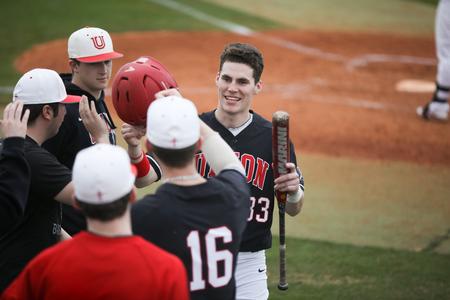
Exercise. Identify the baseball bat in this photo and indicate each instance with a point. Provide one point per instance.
(281, 155)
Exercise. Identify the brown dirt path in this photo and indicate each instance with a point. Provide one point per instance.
(334, 110)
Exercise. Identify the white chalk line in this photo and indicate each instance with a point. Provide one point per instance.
(290, 90)
(350, 64)
(199, 15)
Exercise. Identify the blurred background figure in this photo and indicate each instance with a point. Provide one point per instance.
(438, 107)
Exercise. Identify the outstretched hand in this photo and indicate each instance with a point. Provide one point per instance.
(13, 124)
(94, 124)
(132, 134)
(167, 93)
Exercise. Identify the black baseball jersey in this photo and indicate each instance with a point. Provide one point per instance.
(14, 182)
(73, 137)
(253, 146)
(202, 225)
(40, 227)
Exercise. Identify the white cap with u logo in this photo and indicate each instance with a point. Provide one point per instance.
(91, 44)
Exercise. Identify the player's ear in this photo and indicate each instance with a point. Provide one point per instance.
(73, 64)
(258, 87)
(47, 112)
(217, 78)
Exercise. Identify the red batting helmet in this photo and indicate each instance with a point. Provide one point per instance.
(135, 85)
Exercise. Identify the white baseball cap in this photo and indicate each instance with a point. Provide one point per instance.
(172, 123)
(42, 86)
(102, 174)
(91, 44)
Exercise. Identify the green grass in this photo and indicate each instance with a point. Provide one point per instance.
(393, 16)
(44, 20)
(429, 2)
(362, 202)
(323, 270)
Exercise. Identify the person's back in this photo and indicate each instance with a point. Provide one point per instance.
(96, 267)
(203, 225)
(201, 221)
(107, 261)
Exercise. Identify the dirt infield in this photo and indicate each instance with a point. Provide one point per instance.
(341, 103)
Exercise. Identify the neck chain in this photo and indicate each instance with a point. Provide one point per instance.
(243, 124)
(182, 178)
(248, 121)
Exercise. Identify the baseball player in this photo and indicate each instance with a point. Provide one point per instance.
(250, 136)
(199, 220)
(107, 261)
(43, 94)
(14, 170)
(91, 53)
(438, 107)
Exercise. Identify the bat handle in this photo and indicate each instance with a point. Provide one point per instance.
(282, 284)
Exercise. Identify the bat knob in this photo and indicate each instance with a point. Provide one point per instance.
(283, 286)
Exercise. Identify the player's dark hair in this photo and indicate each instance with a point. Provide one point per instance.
(105, 212)
(76, 61)
(244, 54)
(175, 158)
(36, 109)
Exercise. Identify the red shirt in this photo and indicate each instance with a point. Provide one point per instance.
(96, 267)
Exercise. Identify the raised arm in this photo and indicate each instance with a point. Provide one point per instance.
(94, 124)
(146, 173)
(218, 153)
(14, 169)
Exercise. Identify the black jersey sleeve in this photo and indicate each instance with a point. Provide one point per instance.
(14, 182)
(48, 176)
(154, 165)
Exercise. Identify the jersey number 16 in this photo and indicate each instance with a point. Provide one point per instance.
(213, 257)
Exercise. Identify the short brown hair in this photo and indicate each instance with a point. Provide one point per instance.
(244, 54)
(105, 212)
(36, 109)
(175, 158)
